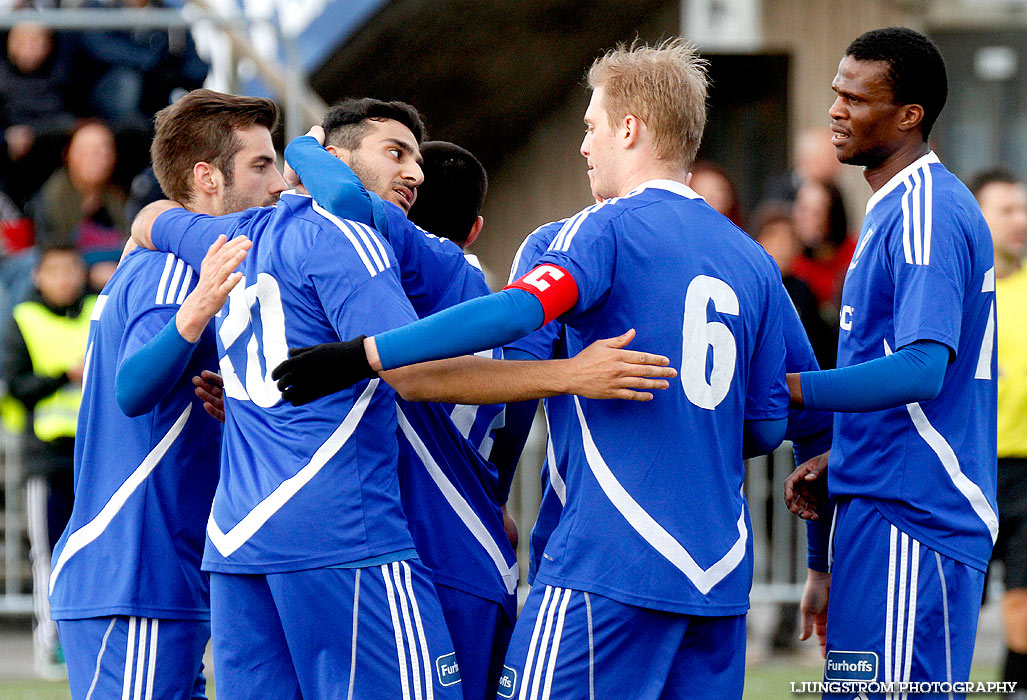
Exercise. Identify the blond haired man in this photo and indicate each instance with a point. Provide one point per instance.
(643, 587)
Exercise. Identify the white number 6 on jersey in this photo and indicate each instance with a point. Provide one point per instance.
(699, 334)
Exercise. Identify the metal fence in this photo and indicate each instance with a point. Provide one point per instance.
(16, 574)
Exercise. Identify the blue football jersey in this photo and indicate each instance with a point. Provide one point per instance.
(314, 485)
(924, 270)
(436, 274)
(446, 483)
(543, 344)
(143, 485)
(655, 514)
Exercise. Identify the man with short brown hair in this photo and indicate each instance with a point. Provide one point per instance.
(131, 602)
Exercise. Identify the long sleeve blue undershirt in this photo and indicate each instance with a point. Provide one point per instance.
(914, 372)
(479, 324)
(148, 374)
(760, 437)
(334, 185)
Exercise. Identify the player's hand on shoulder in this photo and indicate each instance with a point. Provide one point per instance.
(319, 370)
(292, 178)
(806, 487)
(605, 370)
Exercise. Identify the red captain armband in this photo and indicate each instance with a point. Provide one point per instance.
(552, 285)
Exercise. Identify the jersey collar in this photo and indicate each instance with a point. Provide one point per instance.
(920, 162)
(670, 186)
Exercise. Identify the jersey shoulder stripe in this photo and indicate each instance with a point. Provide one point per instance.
(174, 283)
(916, 202)
(540, 232)
(363, 239)
(917, 216)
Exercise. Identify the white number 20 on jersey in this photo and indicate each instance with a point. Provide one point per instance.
(700, 334)
(268, 349)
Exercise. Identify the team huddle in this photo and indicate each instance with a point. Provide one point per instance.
(343, 534)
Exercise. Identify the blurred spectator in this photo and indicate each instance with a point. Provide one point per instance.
(16, 258)
(774, 229)
(815, 161)
(137, 71)
(823, 230)
(35, 118)
(42, 366)
(79, 205)
(1003, 199)
(716, 187)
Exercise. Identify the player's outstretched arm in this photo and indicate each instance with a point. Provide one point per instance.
(603, 370)
(142, 225)
(913, 373)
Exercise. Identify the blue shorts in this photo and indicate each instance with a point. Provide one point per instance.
(572, 645)
(480, 630)
(135, 657)
(375, 632)
(899, 611)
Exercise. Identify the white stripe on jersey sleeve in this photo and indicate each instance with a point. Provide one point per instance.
(376, 239)
(162, 289)
(352, 237)
(176, 278)
(905, 223)
(520, 249)
(928, 214)
(360, 231)
(184, 291)
(918, 239)
(557, 243)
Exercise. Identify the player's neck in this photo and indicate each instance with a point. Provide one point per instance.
(911, 151)
(203, 203)
(642, 175)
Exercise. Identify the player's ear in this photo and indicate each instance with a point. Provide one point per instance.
(339, 153)
(911, 117)
(631, 130)
(206, 178)
(475, 231)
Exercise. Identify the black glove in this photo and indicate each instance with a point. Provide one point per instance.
(319, 370)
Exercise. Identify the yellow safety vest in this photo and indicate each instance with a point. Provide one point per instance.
(1011, 300)
(55, 345)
